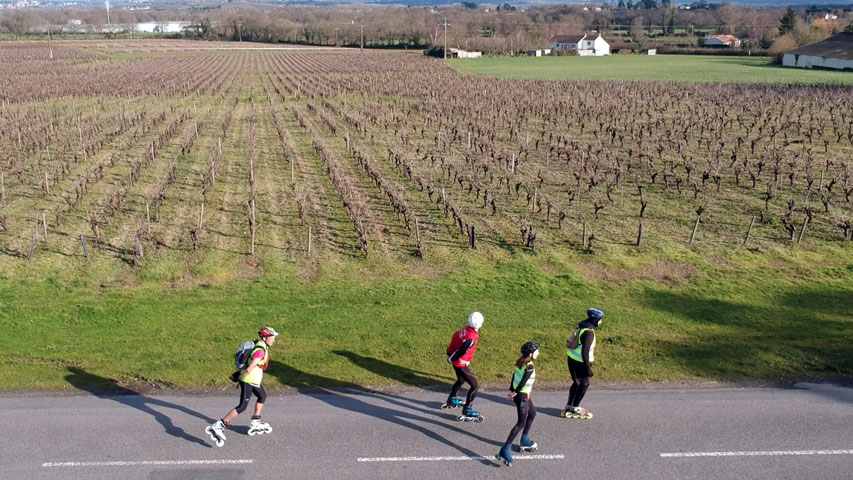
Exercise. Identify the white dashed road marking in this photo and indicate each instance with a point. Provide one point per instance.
(455, 459)
(758, 454)
(145, 463)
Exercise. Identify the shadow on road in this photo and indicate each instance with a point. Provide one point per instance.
(408, 376)
(105, 388)
(397, 410)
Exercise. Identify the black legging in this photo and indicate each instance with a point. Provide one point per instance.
(463, 375)
(246, 392)
(526, 414)
(580, 382)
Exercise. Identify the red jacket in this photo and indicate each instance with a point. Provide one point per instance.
(462, 346)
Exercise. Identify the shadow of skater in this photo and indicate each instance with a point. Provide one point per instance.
(407, 376)
(104, 388)
(345, 397)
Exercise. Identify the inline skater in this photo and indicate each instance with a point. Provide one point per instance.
(519, 392)
(250, 380)
(459, 354)
(580, 361)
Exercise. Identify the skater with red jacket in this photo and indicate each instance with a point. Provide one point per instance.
(459, 354)
(581, 355)
(250, 379)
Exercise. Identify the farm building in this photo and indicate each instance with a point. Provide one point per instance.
(835, 52)
(729, 41)
(586, 45)
(459, 53)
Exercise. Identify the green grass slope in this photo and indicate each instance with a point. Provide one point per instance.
(748, 315)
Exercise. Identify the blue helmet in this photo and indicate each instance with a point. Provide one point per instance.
(595, 313)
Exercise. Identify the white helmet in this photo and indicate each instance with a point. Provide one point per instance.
(475, 320)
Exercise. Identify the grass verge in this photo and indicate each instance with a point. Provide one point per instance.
(374, 323)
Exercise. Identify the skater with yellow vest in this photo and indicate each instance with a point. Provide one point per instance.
(250, 378)
(581, 354)
(519, 392)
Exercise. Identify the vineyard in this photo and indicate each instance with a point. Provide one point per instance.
(307, 152)
(161, 165)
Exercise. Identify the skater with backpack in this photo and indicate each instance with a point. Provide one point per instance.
(519, 392)
(581, 355)
(252, 360)
(459, 354)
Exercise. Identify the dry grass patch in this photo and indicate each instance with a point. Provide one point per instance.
(665, 272)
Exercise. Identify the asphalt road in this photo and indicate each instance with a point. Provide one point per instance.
(755, 433)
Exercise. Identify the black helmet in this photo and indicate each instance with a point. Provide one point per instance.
(528, 348)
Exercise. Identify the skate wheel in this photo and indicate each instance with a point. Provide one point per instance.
(460, 418)
(479, 419)
(252, 432)
(444, 406)
(269, 430)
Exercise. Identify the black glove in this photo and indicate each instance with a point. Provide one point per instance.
(235, 377)
(591, 374)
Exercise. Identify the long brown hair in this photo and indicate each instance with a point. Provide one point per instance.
(521, 360)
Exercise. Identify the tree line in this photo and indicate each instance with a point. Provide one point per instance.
(506, 29)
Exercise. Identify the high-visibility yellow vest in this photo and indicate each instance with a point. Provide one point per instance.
(577, 352)
(257, 374)
(519, 374)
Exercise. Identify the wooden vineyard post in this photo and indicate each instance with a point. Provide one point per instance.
(803, 230)
(535, 195)
(138, 247)
(44, 224)
(148, 218)
(512, 167)
(201, 218)
(292, 181)
(2, 188)
(46, 184)
(347, 139)
(583, 234)
(695, 227)
(469, 140)
(309, 241)
(85, 250)
(640, 235)
(33, 245)
(749, 230)
(473, 238)
(418, 237)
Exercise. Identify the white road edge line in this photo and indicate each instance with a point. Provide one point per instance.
(146, 463)
(455, 459)
(758, 454)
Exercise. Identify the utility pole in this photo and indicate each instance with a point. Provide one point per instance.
(445, 36)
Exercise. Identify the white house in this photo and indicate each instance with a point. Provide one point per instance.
(459, 53)
(586, 45)
(835, 53)
(730, 41)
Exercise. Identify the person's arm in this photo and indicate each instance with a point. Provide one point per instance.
(586, 340)
(256, 359)
(466, 345)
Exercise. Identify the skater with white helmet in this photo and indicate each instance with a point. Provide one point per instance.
(459, 354)
(581, 355)
(519, 392)
(250, 379)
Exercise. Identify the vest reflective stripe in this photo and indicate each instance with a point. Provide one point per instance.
(519, 374)
(577, 353)
(257, 374)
